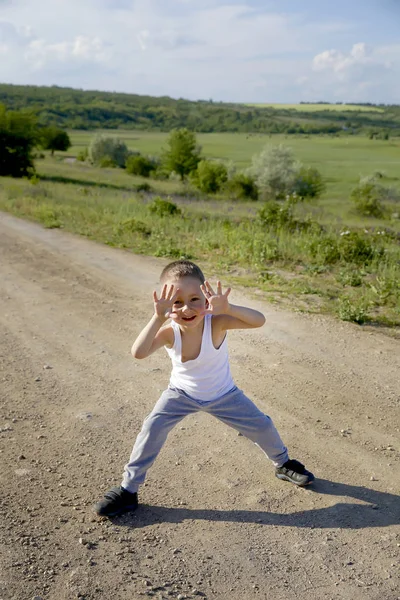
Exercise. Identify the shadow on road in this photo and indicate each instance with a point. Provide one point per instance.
(377, 509)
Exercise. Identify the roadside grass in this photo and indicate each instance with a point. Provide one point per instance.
(356, 275)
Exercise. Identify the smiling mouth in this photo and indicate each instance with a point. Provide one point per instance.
(188, 318)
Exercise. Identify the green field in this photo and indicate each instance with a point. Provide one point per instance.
(341, 160)
(318, 107)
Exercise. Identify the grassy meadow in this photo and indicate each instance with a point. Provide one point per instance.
(331, 261)
(341, 160)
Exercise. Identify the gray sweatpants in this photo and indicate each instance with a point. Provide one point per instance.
(234, 409)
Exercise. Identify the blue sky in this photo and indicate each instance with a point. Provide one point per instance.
(230, 50)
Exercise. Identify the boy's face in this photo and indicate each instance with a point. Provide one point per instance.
(190, 303)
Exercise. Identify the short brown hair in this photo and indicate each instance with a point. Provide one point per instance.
(181, 268)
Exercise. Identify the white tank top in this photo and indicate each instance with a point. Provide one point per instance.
(208, 376)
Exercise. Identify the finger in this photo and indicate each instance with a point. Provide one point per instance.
(163, 292)
(209, 289)
(170, 292)
(219, 288)
(204, 290)
(155, 296)
(173, 316)
(228, 291)
(174, 297)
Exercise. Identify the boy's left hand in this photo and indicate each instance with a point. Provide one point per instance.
(218, 303)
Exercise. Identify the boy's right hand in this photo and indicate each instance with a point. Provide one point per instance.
(163, 305)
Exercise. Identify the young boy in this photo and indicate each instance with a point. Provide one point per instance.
(191, 321)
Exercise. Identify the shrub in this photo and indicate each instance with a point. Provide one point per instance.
(242, 186)
(274, 214)
(139, 165)
(274, 171)
(210, 176)
(350, 276)
(144, 187)
(309, 183)
(82, 155)
(367, 197)
(349, 247)
(132, 226)
(102, 147)
(357, 248)
(324, 249)
(351, 310)
(164, 208)
(106, 162)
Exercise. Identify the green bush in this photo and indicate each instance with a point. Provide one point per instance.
(82, 155)
(309, 183)
(144, 187)
(106, 162)
(350, 276)
(358, 248)
(348, 247)
(139, 165)
(210, 176)
(352, 310)
(132, 226)
(368, 197)
(103, 147)
(242, 186)
(274, 214)
(164, 208)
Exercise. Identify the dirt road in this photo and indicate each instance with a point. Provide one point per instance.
(214, 521)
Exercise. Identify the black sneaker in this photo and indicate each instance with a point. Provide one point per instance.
(115, 502)
(294, 472)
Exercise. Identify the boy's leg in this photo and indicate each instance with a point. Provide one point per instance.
(238, 411)
(171, 408)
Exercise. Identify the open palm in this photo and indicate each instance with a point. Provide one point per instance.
(218, 303)
(163, 305)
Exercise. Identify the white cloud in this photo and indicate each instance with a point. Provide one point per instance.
(360, 59)
(82, 49)
(366, 73)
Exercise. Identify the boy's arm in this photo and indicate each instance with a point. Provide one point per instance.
(241, 317)
(152, 337)
(227, 315)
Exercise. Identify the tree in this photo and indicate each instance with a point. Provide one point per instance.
(18, 136)
(183, 154)
(54, 138)
(275, 171)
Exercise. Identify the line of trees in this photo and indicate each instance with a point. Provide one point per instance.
(78, 109)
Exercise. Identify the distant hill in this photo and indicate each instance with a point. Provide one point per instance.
(81, 109)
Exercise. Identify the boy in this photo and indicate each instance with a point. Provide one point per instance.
(195, 339)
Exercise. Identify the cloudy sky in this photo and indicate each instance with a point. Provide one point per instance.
(230, 50)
